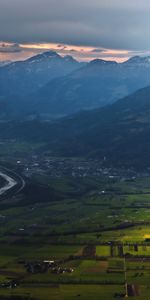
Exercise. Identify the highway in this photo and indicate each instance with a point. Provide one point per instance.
(13, 181)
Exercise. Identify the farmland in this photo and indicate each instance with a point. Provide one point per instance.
(95, 230)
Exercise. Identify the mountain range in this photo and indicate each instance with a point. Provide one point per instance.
(95, 85)
(24, 77)
(92, 121)
(49, 86)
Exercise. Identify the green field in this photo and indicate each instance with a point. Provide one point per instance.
(84, 230)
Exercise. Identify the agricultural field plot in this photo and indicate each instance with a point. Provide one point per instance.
(136, 250)
(103, 251)
(12, 252)
(67, 292)
(120, 250)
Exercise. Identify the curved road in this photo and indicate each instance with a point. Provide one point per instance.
(13, 179)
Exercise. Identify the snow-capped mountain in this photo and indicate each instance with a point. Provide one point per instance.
(24, 77)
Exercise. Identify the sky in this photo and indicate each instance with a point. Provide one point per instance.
(85, 29)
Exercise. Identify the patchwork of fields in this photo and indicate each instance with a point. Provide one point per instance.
(103, 238)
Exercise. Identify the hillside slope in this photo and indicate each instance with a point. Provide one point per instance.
(120, 133)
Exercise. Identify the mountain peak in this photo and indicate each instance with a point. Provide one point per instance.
(102, 62)
(44, 55)
(138, 60)
(50, 54)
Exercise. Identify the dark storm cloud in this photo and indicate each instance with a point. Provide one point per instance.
(104, 23)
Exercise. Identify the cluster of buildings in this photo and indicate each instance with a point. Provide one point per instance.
(44, 266)
(60, 167)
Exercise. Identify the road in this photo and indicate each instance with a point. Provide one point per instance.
(13, 180)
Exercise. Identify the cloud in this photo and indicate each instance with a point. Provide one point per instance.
(73, 50)
(9, 48)
(99, 23)
(97, 50)
(14, 52)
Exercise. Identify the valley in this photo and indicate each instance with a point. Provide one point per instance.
(91, 228)
(74, 150)
(74, 180)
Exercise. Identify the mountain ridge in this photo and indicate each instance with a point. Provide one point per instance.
(50, 86)
(119, 132)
